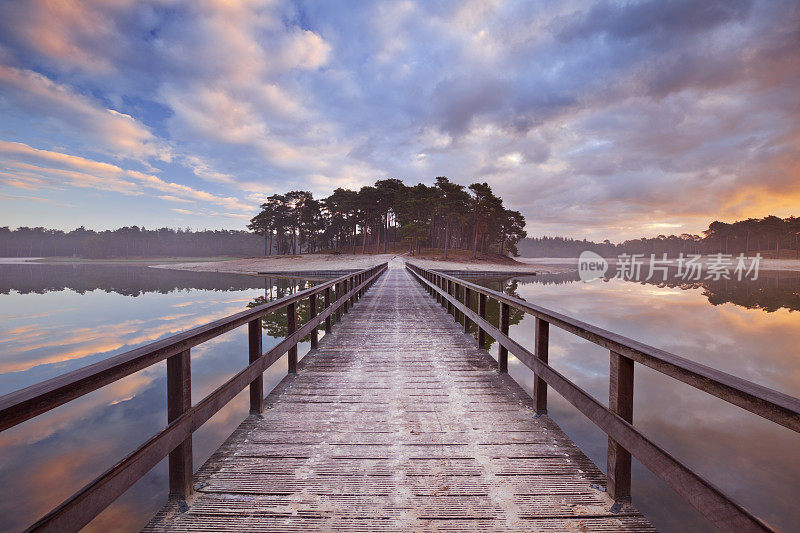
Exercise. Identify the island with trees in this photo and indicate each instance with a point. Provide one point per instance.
(376, 218)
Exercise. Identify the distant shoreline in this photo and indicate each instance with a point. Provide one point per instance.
(785, 265)
(312, 262)
(125, 261)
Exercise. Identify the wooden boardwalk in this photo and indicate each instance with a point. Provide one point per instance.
(398, 422)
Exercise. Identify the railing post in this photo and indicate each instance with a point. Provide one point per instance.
(291, 327)
(541, 346)
(327, 305)
(468, 305)
(179, 400)
(457, 294)
(620, 401)
(502, 358)
(338, 297)
(482, 314)
(449, 293)
(257, 385)
(312, 314)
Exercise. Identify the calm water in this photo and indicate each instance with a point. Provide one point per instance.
(750, 329)
(56, 318)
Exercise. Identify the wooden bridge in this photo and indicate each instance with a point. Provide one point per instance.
(398, 420)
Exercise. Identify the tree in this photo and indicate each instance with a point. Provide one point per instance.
(339, 207)
(452, 205)
(484, 206)
(367, 208)
(413, 233)
(775, 227)
(415, 209)
(512, 230)
(261, 224)
(274, 218)
(389, 193)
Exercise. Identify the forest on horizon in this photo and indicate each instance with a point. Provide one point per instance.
(771, 236)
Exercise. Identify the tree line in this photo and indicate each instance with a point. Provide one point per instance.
(771, 236)
(128, 280)
(444, 216)
(129, 241)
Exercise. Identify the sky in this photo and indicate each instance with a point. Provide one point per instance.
(594, 119)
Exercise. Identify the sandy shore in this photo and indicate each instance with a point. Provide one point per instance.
(326, 262)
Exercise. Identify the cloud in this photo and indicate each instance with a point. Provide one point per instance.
(77, 34)
(652, 19)
(34, 199)
(117, 133)
(174, 199)
(589, 117)
(100, 175)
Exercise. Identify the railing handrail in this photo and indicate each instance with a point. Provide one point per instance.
(184, 418)
(768, 403)
(29, 402)
(616, 420)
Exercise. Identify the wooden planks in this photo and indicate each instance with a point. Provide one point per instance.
(398, 422)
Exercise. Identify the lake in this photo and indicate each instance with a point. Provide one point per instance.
(748, 328)
(56, 318)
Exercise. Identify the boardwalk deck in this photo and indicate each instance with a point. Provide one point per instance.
(398, 422)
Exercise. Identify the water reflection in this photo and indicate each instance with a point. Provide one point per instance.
(506, 286)
(745, 328)
(127, 280)
(275, 323)
(56, 318)
(772, 290)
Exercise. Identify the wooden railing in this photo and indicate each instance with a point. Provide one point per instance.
(616, 420)
(175, 440)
